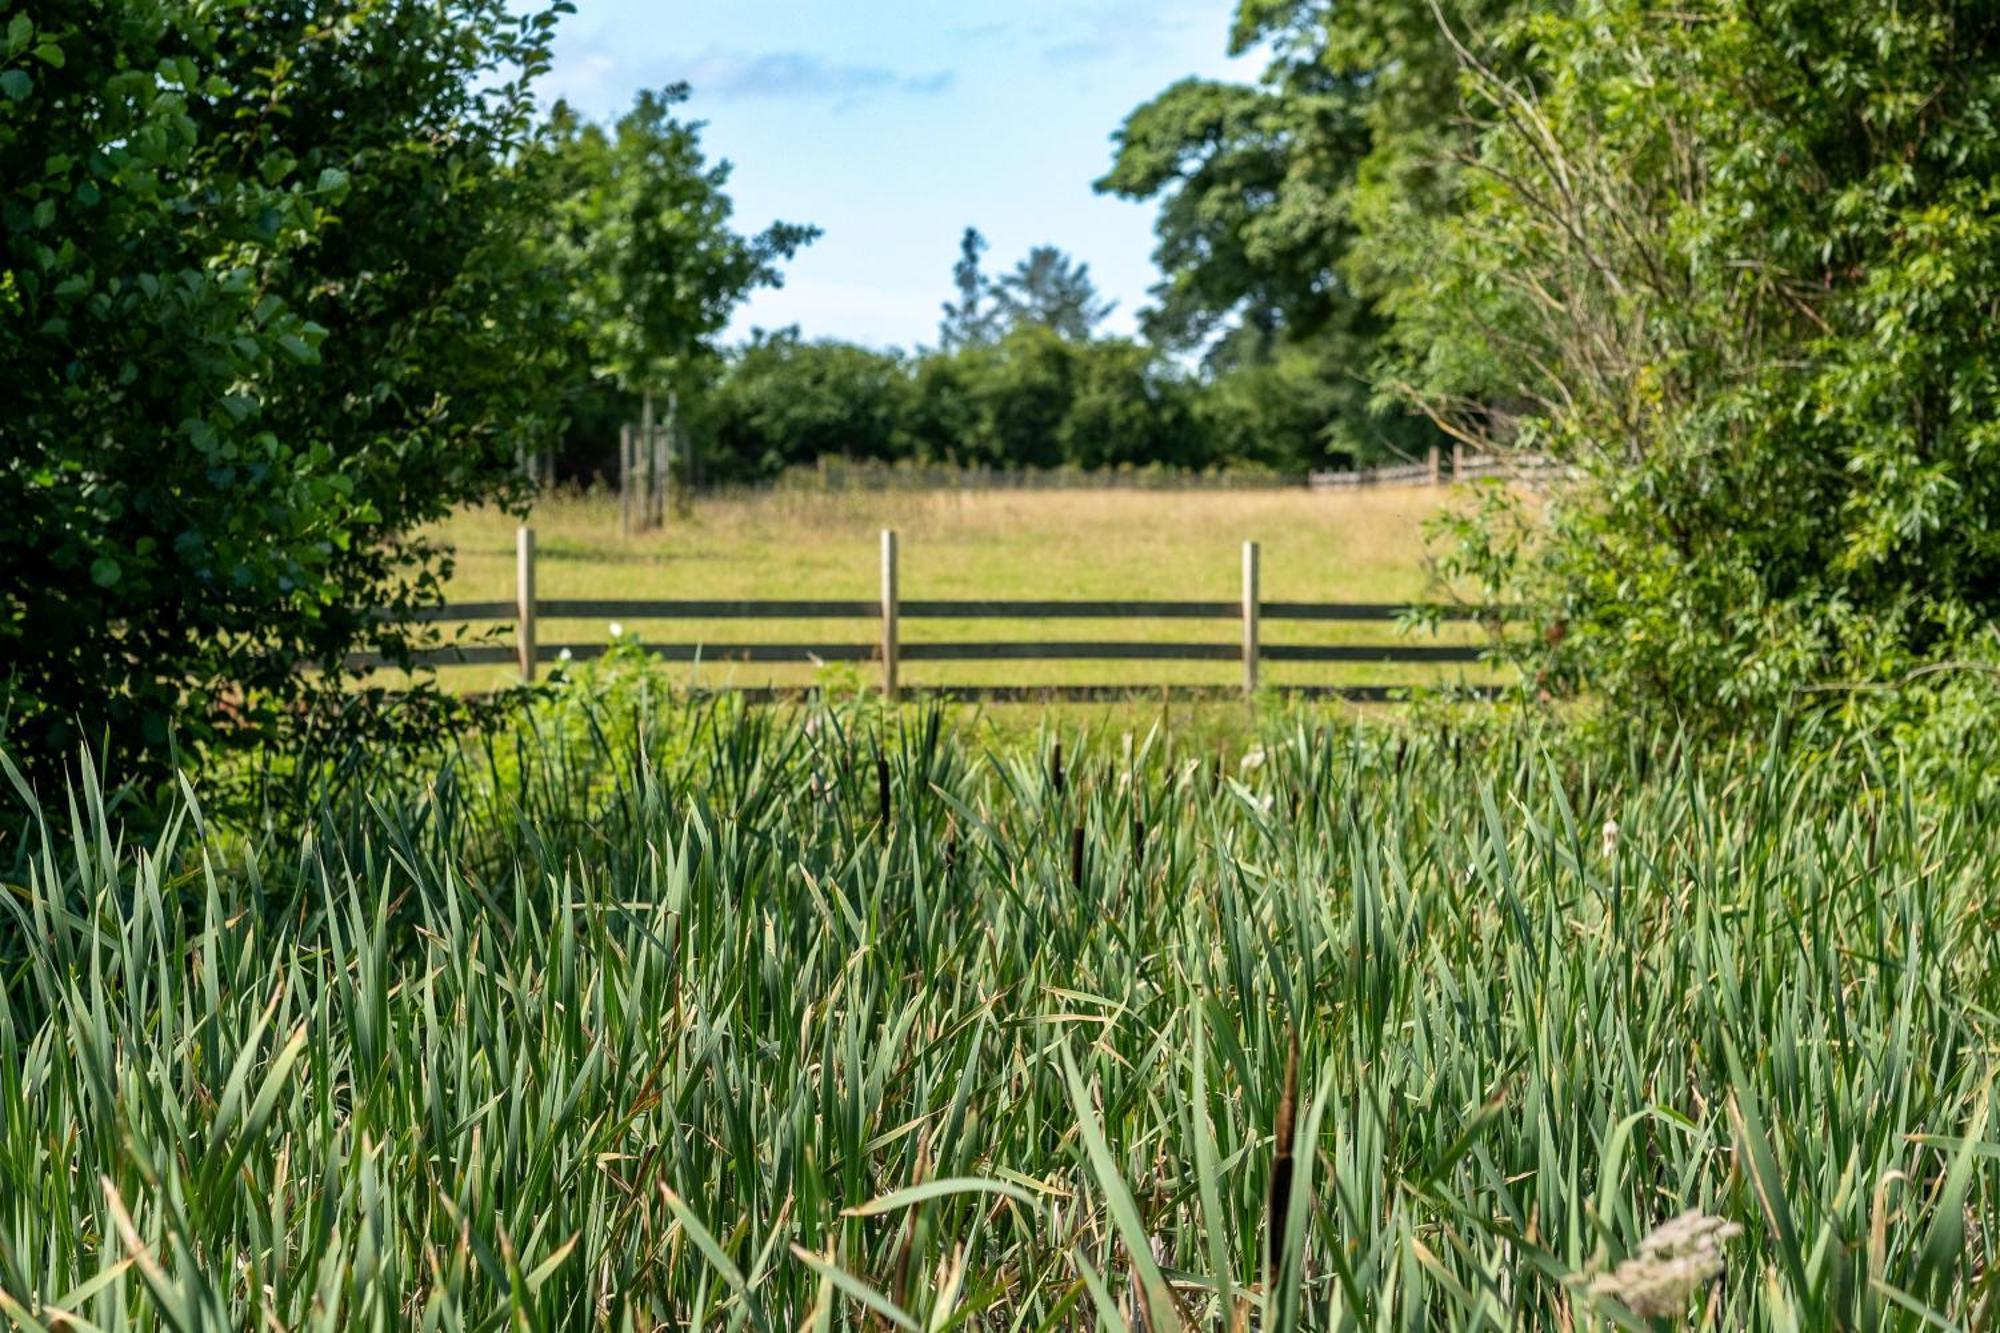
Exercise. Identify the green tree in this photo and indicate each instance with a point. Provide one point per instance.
(1735, 266)
(1035, 398)
(1251, 227)
(1292, 410)
(785, 402)
(1267, 196)
(264, 315)
(1051, 290)
(974, 318)
(640, 229)
(1129, 408)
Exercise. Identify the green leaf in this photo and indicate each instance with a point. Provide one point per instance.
(16, 83)
(19, 29)
(936, 1189)
(1118, 1198)
(857, 1289)
(104, 571)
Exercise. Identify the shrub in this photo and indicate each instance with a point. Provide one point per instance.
(263, 316)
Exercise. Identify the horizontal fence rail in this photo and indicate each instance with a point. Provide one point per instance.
(1437, 467)
(890, 649)
(1527, 469)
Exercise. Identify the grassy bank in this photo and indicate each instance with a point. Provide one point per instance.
(1354, 546)
(662, 1019)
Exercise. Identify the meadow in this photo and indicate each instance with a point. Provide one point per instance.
(665, 1013)
(1365, 545)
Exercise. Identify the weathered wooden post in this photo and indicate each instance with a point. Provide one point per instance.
(625, 478)
(673, 475)
(1437, 464)
(524, 601)
(652, 463)
(1249, 619)
(1457, 460)
(890, 607)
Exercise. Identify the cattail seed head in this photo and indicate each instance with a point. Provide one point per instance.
(1675, 1260)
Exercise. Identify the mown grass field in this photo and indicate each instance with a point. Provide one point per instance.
(1355, 546)
(674, 1017)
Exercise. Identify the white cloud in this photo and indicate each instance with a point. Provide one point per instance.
(801, 75)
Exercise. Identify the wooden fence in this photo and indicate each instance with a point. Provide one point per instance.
(1434, 471)
(1249, 612)
(833, 474)
(841, 475)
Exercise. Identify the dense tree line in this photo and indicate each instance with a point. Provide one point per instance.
(1020, 379)
(1030, 398)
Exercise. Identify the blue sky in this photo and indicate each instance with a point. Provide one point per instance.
(894, 124)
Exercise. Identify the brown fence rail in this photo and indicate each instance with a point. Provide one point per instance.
(890, 651)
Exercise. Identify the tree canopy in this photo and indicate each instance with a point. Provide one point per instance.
(1736, 266)
(640, 227)
(1050, 290)
(264, 316)
(278, 289)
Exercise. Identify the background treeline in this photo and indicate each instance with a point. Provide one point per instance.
(1030, 398)
(1020, 377)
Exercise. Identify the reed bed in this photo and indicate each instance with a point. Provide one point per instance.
(724, 1018)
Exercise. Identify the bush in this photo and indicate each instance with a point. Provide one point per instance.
(1735, 265)
(1032, 398)
(263, 316)
(786, 402)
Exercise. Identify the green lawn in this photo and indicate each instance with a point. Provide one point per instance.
(1356, 546)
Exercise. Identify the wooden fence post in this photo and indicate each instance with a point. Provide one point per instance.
(890, 609)
(1436, 461)
(524, 601)
(649, 443)
(1249, 619)
(1457, 460)
(625, 478)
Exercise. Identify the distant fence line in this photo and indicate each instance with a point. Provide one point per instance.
(1437, 470)
(842, 474)
(869, 475)
(1248, 611)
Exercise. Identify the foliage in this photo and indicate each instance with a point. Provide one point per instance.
(1735, 265)
(1263, 192)
(682, 1026)
(784, 401)
(1301, 407)
(638, 223)
(262, 317)
(974, 318)
(1050, 290)
(1250, 226)
(640, 230)
(1031, 398)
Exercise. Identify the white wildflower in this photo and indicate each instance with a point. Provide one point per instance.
(617, 630)
(565, 655)
(1610, 838)
(1675, 1260)
(1251, 761)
